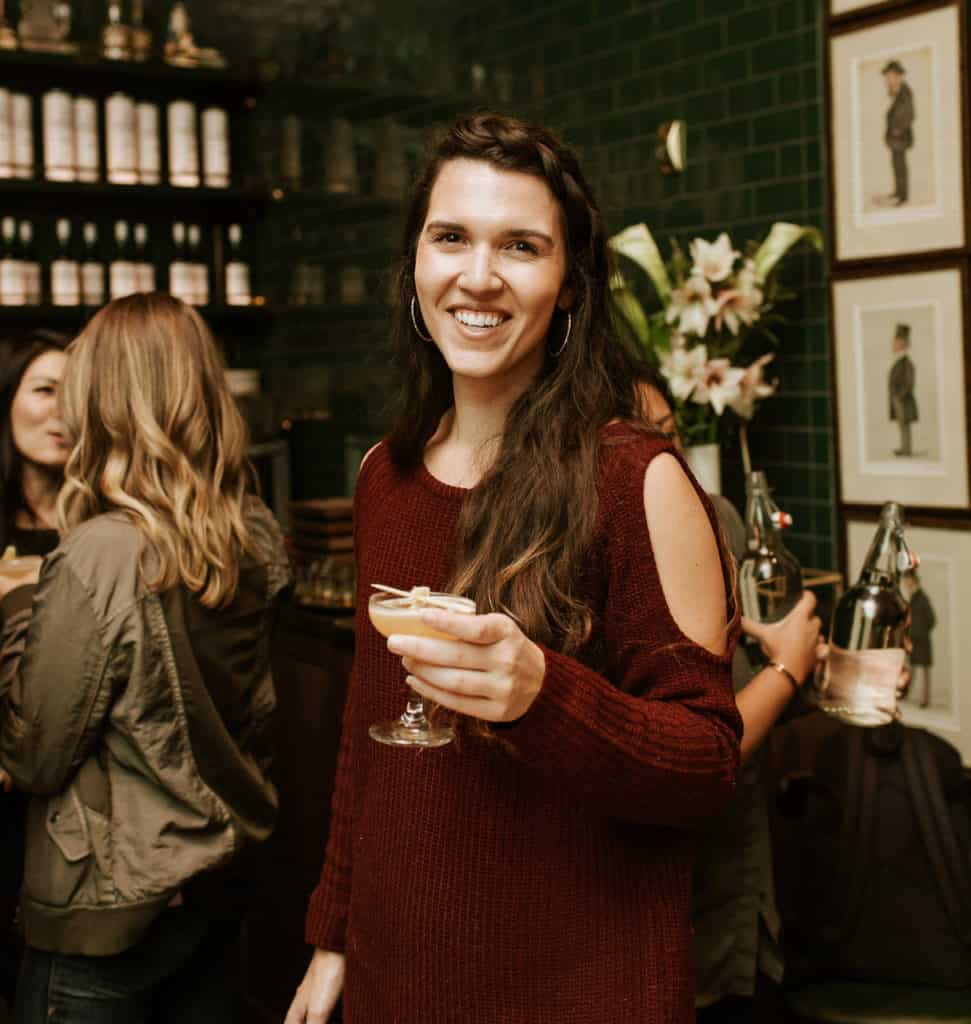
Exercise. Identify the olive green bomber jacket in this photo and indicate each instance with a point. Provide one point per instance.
(140, 724)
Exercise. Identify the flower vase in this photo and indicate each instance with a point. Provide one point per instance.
(705, 462)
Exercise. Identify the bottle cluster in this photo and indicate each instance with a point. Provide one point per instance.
(90, 264)
(73, 128)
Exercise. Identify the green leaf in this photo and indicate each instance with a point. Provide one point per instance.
(633, 312)
(781, 238)
(637, 244)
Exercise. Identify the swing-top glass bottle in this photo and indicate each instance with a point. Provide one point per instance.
(858, 681)
(769, 576)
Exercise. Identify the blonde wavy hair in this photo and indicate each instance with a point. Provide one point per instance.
(158, 436)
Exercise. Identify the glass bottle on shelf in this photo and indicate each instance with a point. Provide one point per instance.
(6, 133)
(115, 36)
(11, 268)
(57, 110)
(87, 149)
(120, 144)
(8, 38)
(65, 272)
(179, 274)
(92, 269)
(291, 158)
(340, 161)
(858, 681)
(22, 119)
(238, 291)
(183, 144)
(144, 267)
(199, 268)
(149, 151)
(215, 148)
(391, 163)
(141, 37)
(769, 576)
(121, 269)
(29, 264)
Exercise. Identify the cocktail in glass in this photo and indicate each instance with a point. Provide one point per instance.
(400, 612)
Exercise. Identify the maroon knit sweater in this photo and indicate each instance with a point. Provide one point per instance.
(548, 882)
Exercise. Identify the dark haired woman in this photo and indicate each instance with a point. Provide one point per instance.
(33, 448)
(538, 869)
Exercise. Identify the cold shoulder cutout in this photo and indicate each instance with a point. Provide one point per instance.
(686, 553)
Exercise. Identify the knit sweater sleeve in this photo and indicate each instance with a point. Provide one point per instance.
(325, 925)
(326, 920)
(655, 737)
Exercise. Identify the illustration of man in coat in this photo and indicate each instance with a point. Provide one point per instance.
(899, 136)
(900, 387)
(922, 621)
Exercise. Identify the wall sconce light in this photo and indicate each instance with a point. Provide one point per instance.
(671, 153)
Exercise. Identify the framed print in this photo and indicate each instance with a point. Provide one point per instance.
(898, 146)
(899, 354)
(843, 7)
(939, 592)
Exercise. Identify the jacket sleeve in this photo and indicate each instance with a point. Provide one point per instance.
(54, 686)
(655, 737)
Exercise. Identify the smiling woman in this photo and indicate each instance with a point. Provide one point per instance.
(591, 691)
(33, 447)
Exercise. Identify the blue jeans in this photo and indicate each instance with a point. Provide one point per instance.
(180, 972)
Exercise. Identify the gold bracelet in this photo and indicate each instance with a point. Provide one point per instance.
(779, 667)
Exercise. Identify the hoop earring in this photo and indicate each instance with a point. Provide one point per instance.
(566, 337)
(414, 322)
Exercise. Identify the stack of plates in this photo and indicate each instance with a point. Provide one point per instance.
(321, 528)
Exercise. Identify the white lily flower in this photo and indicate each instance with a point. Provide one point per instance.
(719, 385)
(734, 308)
(685, 370)
(713, 260)
(692, 306)
(753, 386)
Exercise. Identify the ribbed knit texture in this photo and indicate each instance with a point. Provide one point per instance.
(547, 884)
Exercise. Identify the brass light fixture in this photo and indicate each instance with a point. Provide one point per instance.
(671, 151)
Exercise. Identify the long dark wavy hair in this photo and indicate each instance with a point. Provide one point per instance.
(525, 528)
(16, 356)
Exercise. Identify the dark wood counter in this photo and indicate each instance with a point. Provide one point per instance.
(311, 666)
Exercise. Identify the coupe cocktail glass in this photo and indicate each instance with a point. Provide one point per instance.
(401, 613)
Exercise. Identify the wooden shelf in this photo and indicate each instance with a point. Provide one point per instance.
(99, 76)
(58, 197)
(76, 316)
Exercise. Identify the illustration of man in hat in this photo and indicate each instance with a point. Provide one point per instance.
(901, 380)
(922, 622)
(899, 135)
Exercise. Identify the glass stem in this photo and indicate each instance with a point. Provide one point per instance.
(414, 716)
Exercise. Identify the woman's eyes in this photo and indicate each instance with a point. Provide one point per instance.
(517, 245)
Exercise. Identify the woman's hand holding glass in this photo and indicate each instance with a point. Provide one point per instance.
(490, 670)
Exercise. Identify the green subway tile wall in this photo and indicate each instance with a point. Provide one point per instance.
(746, 76)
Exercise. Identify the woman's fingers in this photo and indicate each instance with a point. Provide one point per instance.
(473, 629)
(463, 703)
(430, 651)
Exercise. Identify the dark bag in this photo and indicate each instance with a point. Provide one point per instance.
(884, 860)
